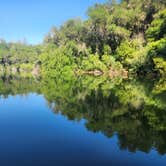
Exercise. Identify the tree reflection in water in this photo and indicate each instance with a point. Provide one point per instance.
(133, 110)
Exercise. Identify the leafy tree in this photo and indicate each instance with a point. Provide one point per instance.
(157, 29)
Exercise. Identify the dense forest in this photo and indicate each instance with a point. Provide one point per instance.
(117, 39)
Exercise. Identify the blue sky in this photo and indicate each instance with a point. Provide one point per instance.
(32, 19)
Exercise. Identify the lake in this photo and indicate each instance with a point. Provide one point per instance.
(83, 121)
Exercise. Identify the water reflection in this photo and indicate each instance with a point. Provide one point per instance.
(133, 109)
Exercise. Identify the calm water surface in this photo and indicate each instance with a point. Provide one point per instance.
(35, 130)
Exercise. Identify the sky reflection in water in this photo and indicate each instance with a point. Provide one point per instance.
(31, 134)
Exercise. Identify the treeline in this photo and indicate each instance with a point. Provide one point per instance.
(117, 38)
(18, 57)
(130, 35)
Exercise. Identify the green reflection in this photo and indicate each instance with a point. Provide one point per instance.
(134, 109)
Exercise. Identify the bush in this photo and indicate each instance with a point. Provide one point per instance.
(132, 54)
(160, 65)
(157, 29)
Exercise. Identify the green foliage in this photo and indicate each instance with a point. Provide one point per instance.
(18, 58)
(58, 61)
(53, 36)
(132, 54)
(158, 48)
(119, 29)
(160, 87)
(160, 65)
(130, 34)
(18, 53)
(122, 31)
(93, 62)
(156, 35)
(157, 29)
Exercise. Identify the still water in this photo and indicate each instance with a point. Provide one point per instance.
(45, 124)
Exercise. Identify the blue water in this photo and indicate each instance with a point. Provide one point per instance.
(32, 135)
